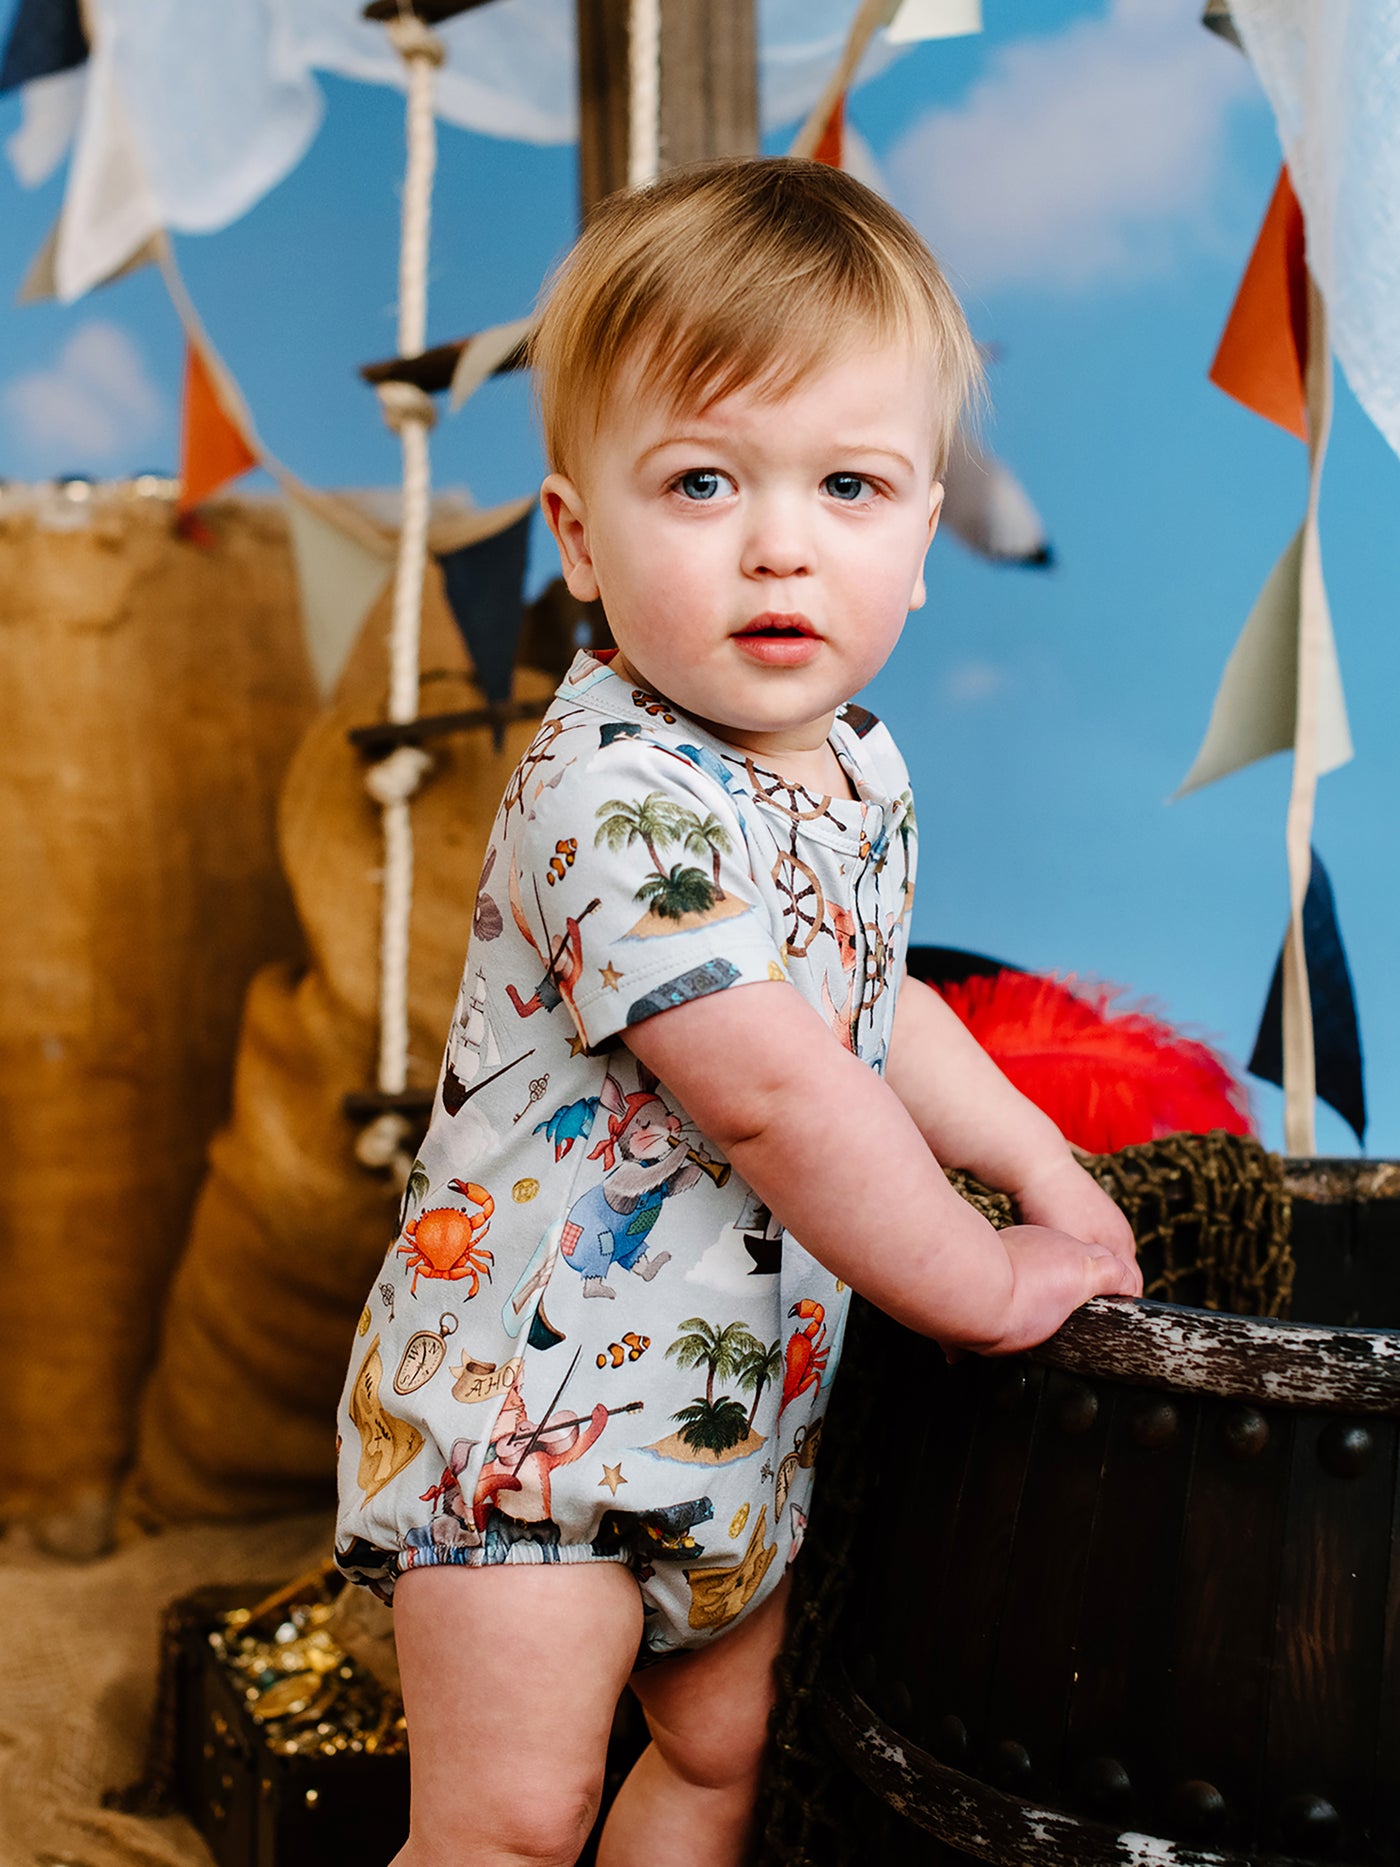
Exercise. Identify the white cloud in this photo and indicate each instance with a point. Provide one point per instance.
(972, 681)
(1081, 156)
(95, 408)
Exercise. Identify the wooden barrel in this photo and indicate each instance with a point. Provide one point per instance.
(1134, 1598)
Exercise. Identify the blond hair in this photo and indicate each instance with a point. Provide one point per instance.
(726, 275)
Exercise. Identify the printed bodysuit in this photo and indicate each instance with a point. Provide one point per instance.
(590, 1341)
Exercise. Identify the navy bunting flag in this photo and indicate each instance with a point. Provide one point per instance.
(45, 36)
(484, 583)
(1336, 1031)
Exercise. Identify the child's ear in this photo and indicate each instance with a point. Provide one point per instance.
(935, 507)
(562, 505)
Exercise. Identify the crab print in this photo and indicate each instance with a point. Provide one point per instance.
(446, 1241)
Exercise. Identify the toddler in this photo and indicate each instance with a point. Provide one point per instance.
(690, 1100)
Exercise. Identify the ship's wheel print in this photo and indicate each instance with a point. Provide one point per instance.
(804, 904)
(807, 811)
(537, 753)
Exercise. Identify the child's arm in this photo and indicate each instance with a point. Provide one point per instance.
(830, 1148)
(972, 1117)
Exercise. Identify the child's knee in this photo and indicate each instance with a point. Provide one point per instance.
(542, 1825)
(719, 1754)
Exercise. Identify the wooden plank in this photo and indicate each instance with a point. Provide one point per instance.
(709, 81)
(1323, 1709)
(1216, 1690)
(1113, 1754)
(709, 88)
(1034, 1669)
(1240, 1357)
(961, 1661)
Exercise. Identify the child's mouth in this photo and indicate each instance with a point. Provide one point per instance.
(785, 641)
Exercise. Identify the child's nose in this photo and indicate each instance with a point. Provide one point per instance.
(778, 544)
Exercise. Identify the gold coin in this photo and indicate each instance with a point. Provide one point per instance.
(739, 1519)
(524, 1190)
(364, 1321)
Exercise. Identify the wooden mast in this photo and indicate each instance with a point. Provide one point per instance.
(709, 87)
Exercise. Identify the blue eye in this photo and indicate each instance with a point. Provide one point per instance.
(845, 486)
(702, 483)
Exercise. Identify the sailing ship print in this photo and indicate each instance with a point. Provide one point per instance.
(471, 1046)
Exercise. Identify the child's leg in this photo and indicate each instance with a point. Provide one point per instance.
(691, 1796)
(510, 1678)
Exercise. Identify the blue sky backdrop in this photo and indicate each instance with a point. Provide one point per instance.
(1093, 173)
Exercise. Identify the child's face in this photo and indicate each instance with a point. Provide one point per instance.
(756, 562)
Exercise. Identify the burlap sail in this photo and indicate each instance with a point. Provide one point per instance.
(238, 1418)
(151, 694)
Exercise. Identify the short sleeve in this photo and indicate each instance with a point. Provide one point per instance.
(633, 876)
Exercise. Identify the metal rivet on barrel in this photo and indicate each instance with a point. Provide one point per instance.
(1011, 1764)
(1345, 1449)
(1309, 1823)
(1103, 1782)
(1245, 1432)
(1078, 1409)
(949, 1739)
(1154, 1424)
(1198, 1807)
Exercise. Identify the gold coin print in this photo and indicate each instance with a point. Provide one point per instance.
(839, 1286)
(775, 971)
(364, 1321)
(524, 1191)
(739, 1519)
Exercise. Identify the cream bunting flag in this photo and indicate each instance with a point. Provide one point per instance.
(933, 19)
(1256, 708)
(484, 354)
(340, 577)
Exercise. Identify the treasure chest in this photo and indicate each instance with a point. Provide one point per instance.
(279, 1745)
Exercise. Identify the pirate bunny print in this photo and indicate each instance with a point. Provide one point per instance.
(589, 1339)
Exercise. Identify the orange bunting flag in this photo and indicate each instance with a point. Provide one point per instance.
(213, 449)
(830, 149)
(1263, 352)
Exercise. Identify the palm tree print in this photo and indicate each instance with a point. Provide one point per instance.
(759, 1367)
(707, 834)
(720, 1351)
(656, 820)
(678, 893)
(712, 1426)
(708, 1424)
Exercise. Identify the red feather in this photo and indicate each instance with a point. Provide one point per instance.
(1105, 1078)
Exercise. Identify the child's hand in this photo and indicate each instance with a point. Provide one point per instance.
(1066, 1198)
(1053, 1274)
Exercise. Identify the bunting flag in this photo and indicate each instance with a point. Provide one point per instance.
(1263, 351)
(110, 209)
(1336, 1031)
(45, 36)
(343, 562)
(1216, 18)
(1282, 687)
(484, 578)
(49, 111)
(213, 448)
(831, 146)
(1256, 709)
(484, 354)
(933, 19)
(985, 505)
(40, 282)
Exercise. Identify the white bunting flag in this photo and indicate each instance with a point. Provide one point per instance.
(340, 575)
(933, 19)
(483, 355)
(1256, 709)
